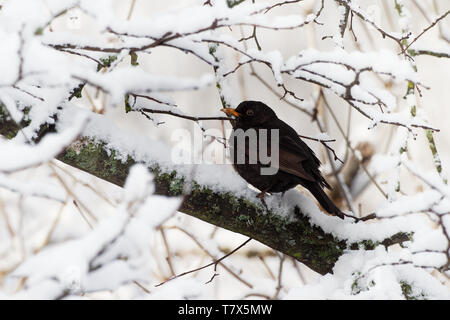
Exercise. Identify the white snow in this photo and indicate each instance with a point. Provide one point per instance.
(17, 156)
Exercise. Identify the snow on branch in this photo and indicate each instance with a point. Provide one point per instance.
(220, 197)
(353, 7)
(20, 156)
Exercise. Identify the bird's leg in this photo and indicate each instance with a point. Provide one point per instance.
(261, 197)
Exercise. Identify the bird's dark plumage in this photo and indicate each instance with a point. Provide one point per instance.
(297, 162)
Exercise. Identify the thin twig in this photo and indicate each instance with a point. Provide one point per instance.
(352, 149)
(183, 116)
(425, 30)
(166, 245)
(280, 272)
(214, 263)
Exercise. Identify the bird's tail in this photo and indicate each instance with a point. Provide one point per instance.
(323, 199)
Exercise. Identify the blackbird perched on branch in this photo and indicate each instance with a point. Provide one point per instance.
(296, 163)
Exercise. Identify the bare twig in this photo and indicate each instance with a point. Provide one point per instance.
(180, 115)
(166, 245)
(360, 14)
(280, 273)
(214, 263)
(425, 30)
(371, 177)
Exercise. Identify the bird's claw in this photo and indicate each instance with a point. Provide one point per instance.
(261, 197)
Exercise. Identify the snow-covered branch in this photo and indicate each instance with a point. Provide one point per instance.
(218, 197)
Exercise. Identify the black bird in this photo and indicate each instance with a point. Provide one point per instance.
(297, 162)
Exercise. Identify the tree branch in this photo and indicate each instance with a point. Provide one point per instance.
(294, 237)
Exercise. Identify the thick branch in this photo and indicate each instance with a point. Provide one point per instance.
(294, 237)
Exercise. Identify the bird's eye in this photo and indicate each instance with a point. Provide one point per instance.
(249, 112)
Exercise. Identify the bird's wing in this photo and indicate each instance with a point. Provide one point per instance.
(291, 156)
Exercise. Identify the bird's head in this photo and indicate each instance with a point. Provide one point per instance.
(250, 113)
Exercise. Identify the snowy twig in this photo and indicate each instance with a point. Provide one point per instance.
(360, 14)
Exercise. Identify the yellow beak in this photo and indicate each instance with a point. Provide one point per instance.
(230, 112)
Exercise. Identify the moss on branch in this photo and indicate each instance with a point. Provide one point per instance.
(298, 238)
